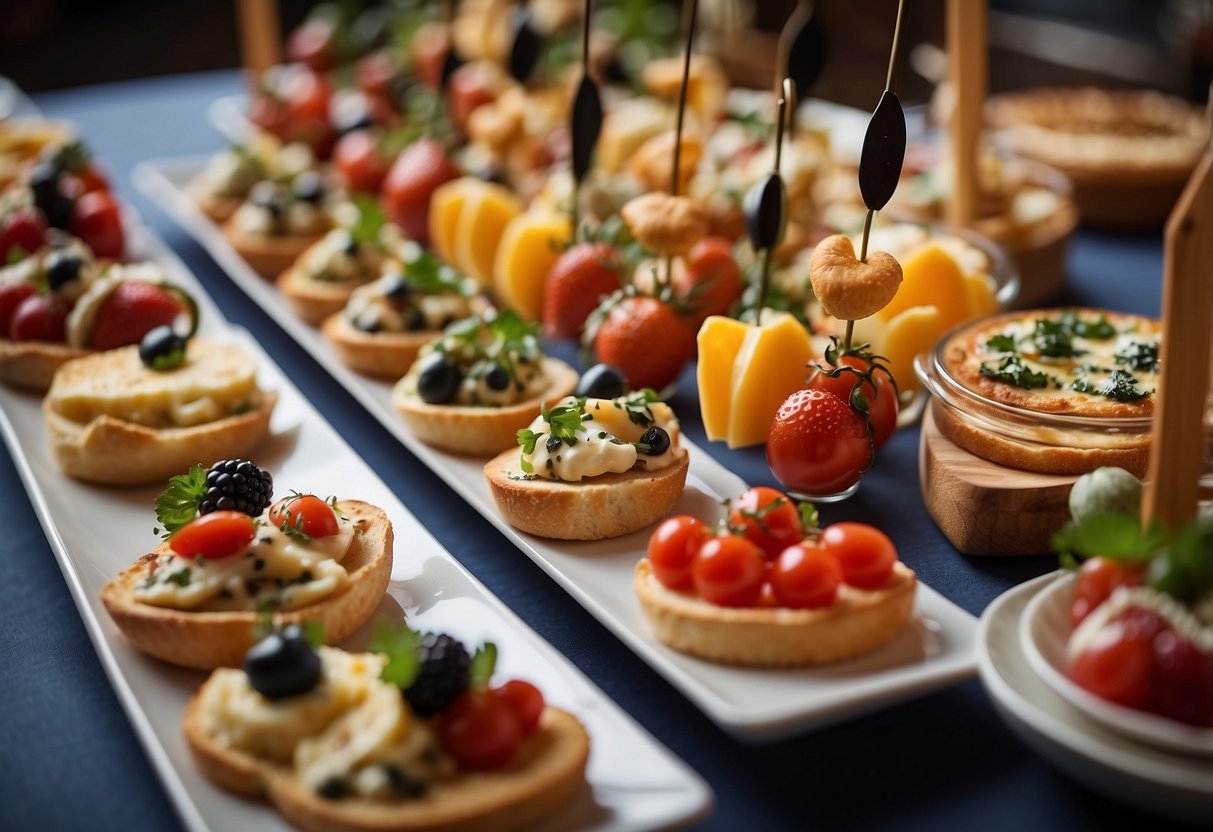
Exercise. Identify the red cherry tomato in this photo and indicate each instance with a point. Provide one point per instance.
(97, 221)
(1096, 580)
(805, 576)
(39, 318)
(1184, 680)
(817, 445)
(11, 296)
(306, 513)
(21, 229)
(711, 282)
(411, 181)
(359, 161)
(729, 572)
(865, 554)
(469, 87)
(1116, 665)
(481, 732)
(307, 93)
(219, 534)
(881, 396)
(375, 73)
(673, 547)
(312, 43)
(771, 520)
(525, 702)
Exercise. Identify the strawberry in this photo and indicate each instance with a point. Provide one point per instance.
(39, 318)
(645, 338)
(132, 310)
(576, 284)
(711, 282)
(11, 296)
(417, 172)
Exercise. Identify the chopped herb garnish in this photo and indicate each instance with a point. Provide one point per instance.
(370, 219)
(1139, 355)
(1012, 370)
(1001, 343)
(637, 406)
(482, 666)
(401, 645)
(181, 577)
(178, 504)
(1054, 339)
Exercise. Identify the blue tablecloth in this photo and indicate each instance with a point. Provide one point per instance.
(69, 760)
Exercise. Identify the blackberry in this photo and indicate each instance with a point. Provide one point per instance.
(237, 485)
(443, 676)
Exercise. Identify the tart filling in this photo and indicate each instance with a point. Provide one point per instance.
(424, 295)
(273, 209)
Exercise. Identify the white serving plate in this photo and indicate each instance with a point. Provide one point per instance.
(635, 783)
(1109, 762)
(756, 705)
(1044, 633)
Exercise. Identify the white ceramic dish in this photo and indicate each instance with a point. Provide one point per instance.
(1044, 635)
(935, 650)
(635, 783)
(1175, 785)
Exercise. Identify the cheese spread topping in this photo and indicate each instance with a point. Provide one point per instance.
(273, 209)
(285, 569)
(1182, 620)
(231, 173)
(585, 438)
(418, 293)
(340, 258)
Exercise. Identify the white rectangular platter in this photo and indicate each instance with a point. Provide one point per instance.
(634, 782)
(755, 705)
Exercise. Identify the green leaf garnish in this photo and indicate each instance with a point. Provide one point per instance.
(637, 406)
(565, 420)
(527, 438)
(370, 219)
(428, 275)
(313, 632)
(809, 518)
(181, 577)
(483, 663)
(401, 645)
(1012, 370)
(178, 504)
(1139, 355)
(170, 360)
(1001, 343)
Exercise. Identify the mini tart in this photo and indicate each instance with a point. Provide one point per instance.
(31, 365)
(218, 209)
(380, 354)
(108, 449)
(315, 300)
(1128, 153)
(269, 255)
(479, 431)
(600, 507)
(206, 640)
(547, 771)
(858, 622)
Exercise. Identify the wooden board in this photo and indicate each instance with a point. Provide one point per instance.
(985, 508)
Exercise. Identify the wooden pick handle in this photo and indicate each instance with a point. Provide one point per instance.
(967, 59)
(260, 38)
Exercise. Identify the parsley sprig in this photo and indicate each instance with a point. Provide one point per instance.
(402, 646)
(178, 504)
(563, 420)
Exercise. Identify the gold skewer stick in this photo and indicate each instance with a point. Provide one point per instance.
(967, 60)
(690, 13)
(781, 107)
(260, 39)
(891, 83)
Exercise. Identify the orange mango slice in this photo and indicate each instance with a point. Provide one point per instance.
(445, 207)
(931, 277)
(526, 252)
(980, 289)
(485, 213)
(719, 342)
(909, 333)
(769, 367)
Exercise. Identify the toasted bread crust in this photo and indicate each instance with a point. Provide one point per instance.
(547, 771)
(858, 622)
(206, 640)
(268, 256)
(116, 452)
(479, 431)
(314, 300)
(378, 354)
(607, 506)
(31, 365)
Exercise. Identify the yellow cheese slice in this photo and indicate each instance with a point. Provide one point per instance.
(486, 212)
(931, 277)
(909, 333)
(445, 207)
(719, 341)
(770, 366)
(528, 249)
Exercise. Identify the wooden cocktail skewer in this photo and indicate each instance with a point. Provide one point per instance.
(967, 58)
(1177, 456)
(260, 39)
(690, 13)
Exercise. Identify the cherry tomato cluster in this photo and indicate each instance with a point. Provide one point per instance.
(1137, 659)
(767, 555)
(482, 729)
(221, 534)
(824, 437)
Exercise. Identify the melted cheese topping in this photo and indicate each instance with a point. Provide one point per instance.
(291, 571)
(603, 441)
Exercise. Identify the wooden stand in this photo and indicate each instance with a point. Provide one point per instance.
(985, 508)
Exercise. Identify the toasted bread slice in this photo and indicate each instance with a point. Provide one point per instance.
(479, 431)
(31, 365)
(379, 354)
(546, 772)
(206, 640)
(607, 506)
(857, 622)
(112, 420)
(314, 300)
(269, 256)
